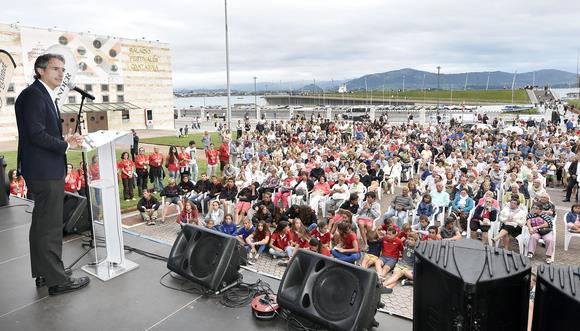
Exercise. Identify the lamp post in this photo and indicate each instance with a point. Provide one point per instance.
(229, 115)
(438, 72)
(255, 98)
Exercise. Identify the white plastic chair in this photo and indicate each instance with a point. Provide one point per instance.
(567, 234)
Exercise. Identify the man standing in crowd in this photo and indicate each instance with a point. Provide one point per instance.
(224, 153)
(142, 170)
(156, 169)
(212, 157)
(135, 146)
(190, 150)
(42, 162)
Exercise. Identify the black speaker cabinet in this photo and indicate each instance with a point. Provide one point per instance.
(332, 293)
(462, 285)
(206, 257)
(75, 215)
(557, 298)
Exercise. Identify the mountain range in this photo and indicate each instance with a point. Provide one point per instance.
(416, 79)
(411, 79)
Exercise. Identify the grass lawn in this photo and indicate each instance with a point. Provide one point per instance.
(75, 157)
(503, 96)
(575, 103)
(183, 141)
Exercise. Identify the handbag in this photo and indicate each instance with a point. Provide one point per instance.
(544, 231)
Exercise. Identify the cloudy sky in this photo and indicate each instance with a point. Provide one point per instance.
(283, 40)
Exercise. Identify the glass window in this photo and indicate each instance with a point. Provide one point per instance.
(10, 101)
(11, 87)
(120, 87)
(88, 87)
(72, 99)
(104, 87)
(120, 98)
(105, 98)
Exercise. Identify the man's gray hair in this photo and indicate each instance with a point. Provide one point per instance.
(42, 62)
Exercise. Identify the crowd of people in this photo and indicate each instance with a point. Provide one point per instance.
(318, 185)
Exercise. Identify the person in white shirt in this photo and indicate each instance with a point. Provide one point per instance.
(338, 194)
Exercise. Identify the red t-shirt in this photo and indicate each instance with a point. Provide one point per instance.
(392, 248)
(348, 240)
(81, 174)
(224, 152)
(127, 168)
(402, 235)
(141, 161)
(325, 251)
(302, 242)
(173, 166)
(155, 159)
(280, 240)
(212, 156)
(183, 159)
(17, 188)
(94, 171)
(72, 184)
(323, 238)
(262, 236)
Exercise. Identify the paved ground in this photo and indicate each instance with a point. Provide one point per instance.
(400, 302)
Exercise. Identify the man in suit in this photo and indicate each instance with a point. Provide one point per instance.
(42, 161)
(572, 179)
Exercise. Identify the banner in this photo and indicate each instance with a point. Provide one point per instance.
(7, 66)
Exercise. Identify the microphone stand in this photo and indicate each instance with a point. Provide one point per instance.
(91, 244)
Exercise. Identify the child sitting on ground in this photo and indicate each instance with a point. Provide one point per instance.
(404, 267)
(374, 251)
(422, 227)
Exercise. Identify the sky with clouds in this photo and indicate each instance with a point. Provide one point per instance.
(282, 40)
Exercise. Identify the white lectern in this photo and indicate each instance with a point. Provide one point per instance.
(103, 188)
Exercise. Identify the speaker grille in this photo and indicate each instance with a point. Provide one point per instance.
(205, 256)
(337, 293)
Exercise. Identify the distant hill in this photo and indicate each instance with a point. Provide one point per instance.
(475, 80)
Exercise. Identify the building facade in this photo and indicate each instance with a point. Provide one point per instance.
(131, 79)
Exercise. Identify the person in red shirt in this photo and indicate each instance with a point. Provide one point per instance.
(71, 180)
(172, 163)
(16, 184)
(142, 169)
(83, 183)
(391, 251)
(156, 170)
(224, 153)
(348, 249)
(299, 237)
(184, 159)
(280, 240)
(125, 167)
(189, 214)
(321, 233)
(316, 246)
(212, 158)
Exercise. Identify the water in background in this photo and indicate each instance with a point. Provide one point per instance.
(181, 103)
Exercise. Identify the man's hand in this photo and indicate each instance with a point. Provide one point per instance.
(75, 140)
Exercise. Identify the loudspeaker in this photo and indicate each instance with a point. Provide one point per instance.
(332, 293)
(557, 299)
(462, 285)
(4, 188)
(206, 257)
(75, 216)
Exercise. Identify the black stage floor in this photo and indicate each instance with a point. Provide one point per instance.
(133, 301)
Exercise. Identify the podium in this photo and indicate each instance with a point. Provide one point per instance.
(103, 190)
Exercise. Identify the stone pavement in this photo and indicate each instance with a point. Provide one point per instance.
(400, 302)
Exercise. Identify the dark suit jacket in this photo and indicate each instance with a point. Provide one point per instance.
(41, 148)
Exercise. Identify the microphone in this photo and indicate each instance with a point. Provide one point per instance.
(82, 92)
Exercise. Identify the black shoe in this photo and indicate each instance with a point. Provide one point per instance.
(40, 281)
(566, 200)
(72, 284)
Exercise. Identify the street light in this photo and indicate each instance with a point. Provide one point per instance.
(255, 97)
(438, 72)
(229, 115)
